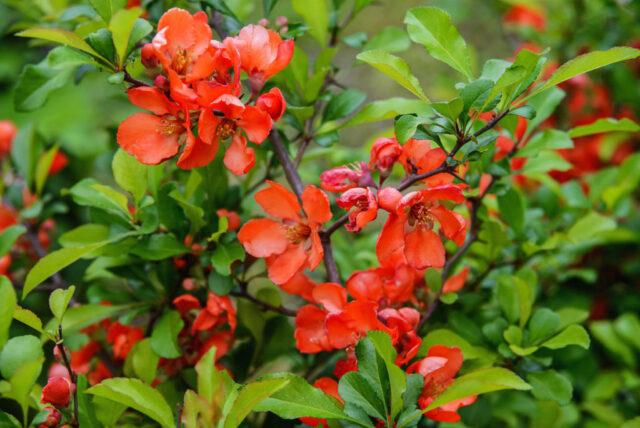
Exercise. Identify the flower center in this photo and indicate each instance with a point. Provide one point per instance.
(169, 127)
(180, 61)
(421, 214)
(298, 233)
(226, 128)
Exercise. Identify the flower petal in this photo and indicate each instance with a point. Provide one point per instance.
(282, 267)
(141, 135)
(330, 295)
(150, 98)
(197, 153)
(423, 249)
(278, 201)
(263, 237)
(239, 159)
(256, 123)
(316, 205)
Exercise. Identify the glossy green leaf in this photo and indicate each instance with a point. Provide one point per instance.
(9, 236)
(590, 226)
(144, 361)
(316, 15)
(551, 385)
(601, 126)
(129, 174)
(42, 168)
(18, 351)
(137, 395)
(121, 26)
(27, 317)
(627, 326)
(104, 9)
(225, 255)
(251, 395)
(432, 28)
(394, 67)
(59, 301)
(479, 382)
(164, 338)
(550, 139)
(9, 301)
(60, 36)
(513, 208)
(572, 335)
(343, 104)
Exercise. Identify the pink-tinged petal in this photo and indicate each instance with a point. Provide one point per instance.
(450, 224)
(391, 240)
(330, 295)
(231, 106)
(316, 252)
(256, 123)
(285, 53)
(316, 205)
(208, 126)
(263, 237)
(239, 159)
(282, 267)
(388, 199)
(278, 201)
(145, 137)
(196, 153)
(149, 98)
(423, 249)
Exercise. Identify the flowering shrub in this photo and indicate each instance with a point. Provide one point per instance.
(233, 266)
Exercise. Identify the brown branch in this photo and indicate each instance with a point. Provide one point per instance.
(74, 378)
(130, 79)
(243, 293)
(289, 168)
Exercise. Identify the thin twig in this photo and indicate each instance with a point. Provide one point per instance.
(72, 375)
(243, 293)
(289, 168)
(130, 79)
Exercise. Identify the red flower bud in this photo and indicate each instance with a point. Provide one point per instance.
(8, 132)
(273, 103)
(388, 199)
(52, 418)
(57, 391)
(233, 219)
(60, 161)
(384, 153)
(148, 56)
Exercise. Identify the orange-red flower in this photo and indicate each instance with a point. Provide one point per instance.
(8, 132)
(152, 138)
(262, 52)
(123, 338)
(438, 369)
(385, 285)
(418, 157)
(273, 103)
(408, 236)
(233, 219)
(362, 206)
(525, 16)
(384, 154)
(292, 243)
(456, 282)
(337, 324)
(343, 178)
(402, 324)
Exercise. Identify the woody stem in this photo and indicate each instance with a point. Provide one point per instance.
(72, 375)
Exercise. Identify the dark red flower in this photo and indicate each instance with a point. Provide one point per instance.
(57, 391)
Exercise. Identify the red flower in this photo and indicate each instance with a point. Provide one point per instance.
(123, 338)
(5, 264)
(300, 285)
(52, 418)
(438, 369)
(456, 282)
(8, 217)
(99, 373)
(384, 154)
(342, 178)
(263, 53)
(273, 103)
(60, 161)
(218, 311)
(408, 233)
(81, 359)
(233, 219)
(292, 243)
(8, 132)
(152, 138)
(338, 324)
(525, 16)
(362, 206)
(385, 285)
(57, 391)
(418, 157)
(225, 118)
(402, 324)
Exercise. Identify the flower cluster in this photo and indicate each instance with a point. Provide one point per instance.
(196, 102)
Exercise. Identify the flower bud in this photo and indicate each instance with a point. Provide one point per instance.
(51, 419)
(57, 391)
(273, 103)
(148, 56)
(384, 154)
(388, 198)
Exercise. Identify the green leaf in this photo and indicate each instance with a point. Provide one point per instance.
(9, 302)
(450, 338)
(129, 174)
(449, 109)
(542, 325)
(86, 411)
(84, 235)
(268, 5)
(42, 168)
(9, 236)
(551, 385)
(22, 382)
(26, 317)
(38, 81)
(396, 68)
(250, 396)
(512, 208)
(479, 382)
(572, 335)
(299, 399)
(104, 9)
(601, 126)
(405, 127)
(590, 226)
(343, 104)
(605, 333)
(390, 39)
(432, 27)
(316, 15)
(549, 139)
(164, 339)
(159, 247)
(586, 63)
(79, 317)
(88, 192)
(384, 109)
(225, 255)
(356, 390)
(545, 161)
(397, 379)
(144, 361)
(121, 26)
(59, 301)
(60, 36)
(474, 94)
(137, 395)
(516, 298)
(18, 351)
(627, 326)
